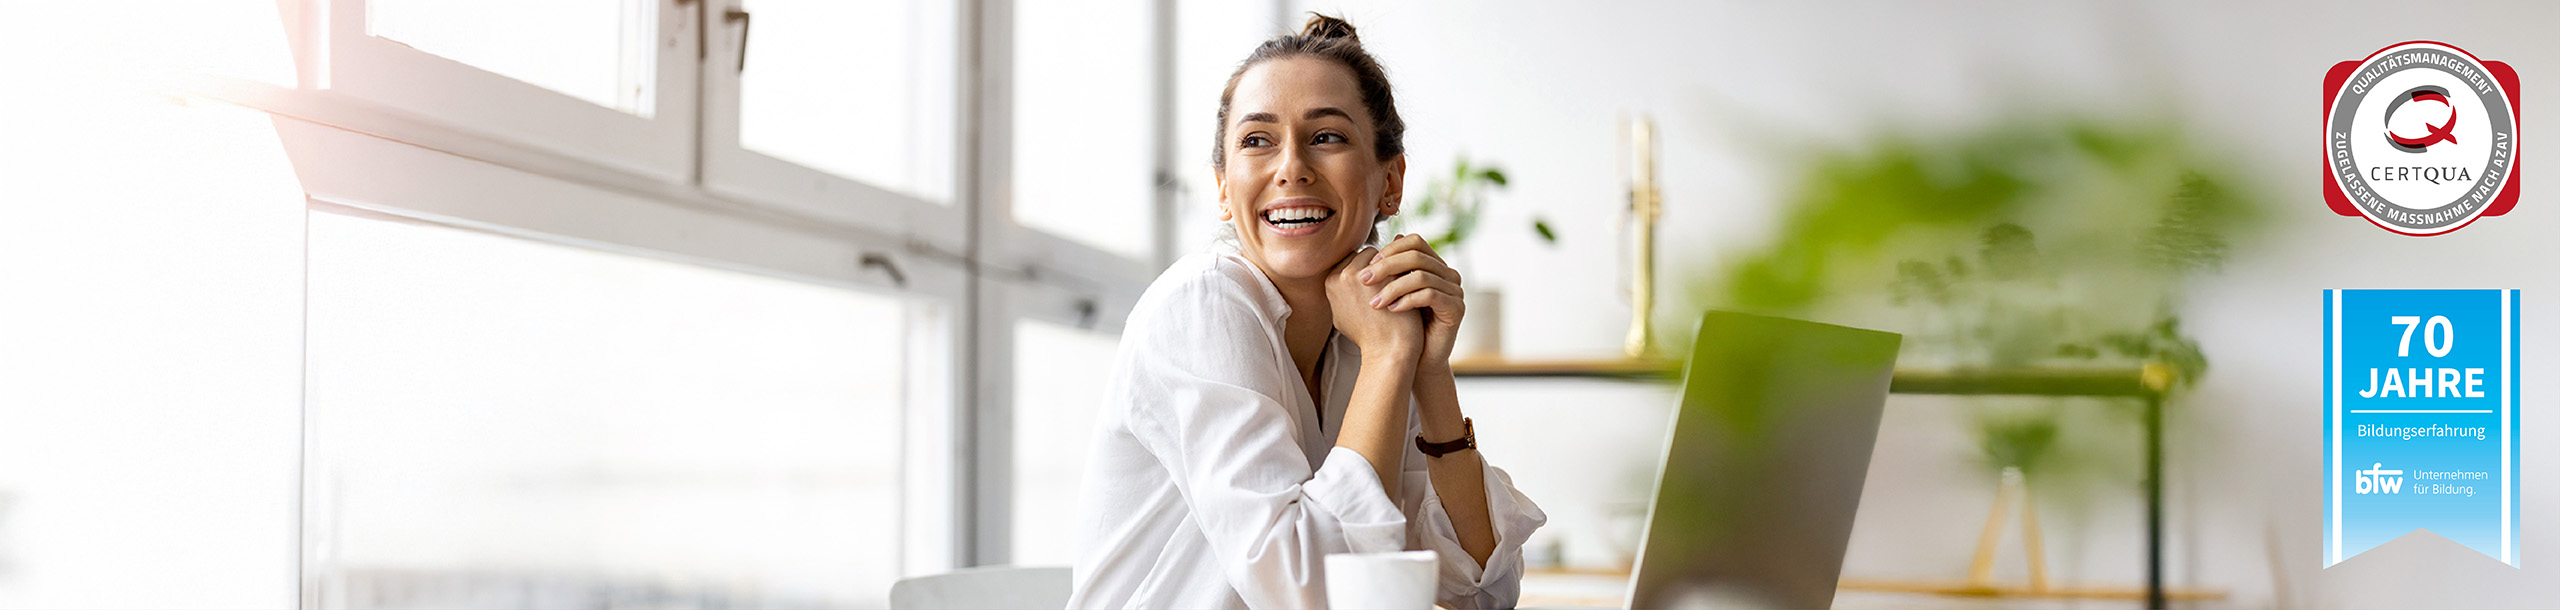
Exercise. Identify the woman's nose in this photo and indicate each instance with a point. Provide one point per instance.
(1293, 170)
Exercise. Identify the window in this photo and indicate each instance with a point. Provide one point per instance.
(593, 50)
(570, 196)
(1086, 123)
(877, 108)
(150, 373)
(1058, 373)
(604, 82)
(1088, 118)
(843, 111)
(1071, 188)
(497, 422)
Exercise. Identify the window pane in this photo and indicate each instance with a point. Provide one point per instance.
(1057, 390)
(504, 423)
(863, 90)
(1084, 122)
(595, 50)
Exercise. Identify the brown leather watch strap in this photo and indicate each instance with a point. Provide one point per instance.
(1440, 449)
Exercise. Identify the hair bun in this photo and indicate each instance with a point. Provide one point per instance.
(1321, 26)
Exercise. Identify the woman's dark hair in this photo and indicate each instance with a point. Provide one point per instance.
(1333, 39)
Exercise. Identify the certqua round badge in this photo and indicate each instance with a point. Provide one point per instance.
(2421, 138)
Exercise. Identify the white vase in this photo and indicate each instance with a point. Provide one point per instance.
(1480, 334)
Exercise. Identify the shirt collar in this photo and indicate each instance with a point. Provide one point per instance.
(1270, 292)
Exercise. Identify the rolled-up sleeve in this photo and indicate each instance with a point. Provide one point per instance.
(1210, 407)
(1348, 488)
(1463, 584)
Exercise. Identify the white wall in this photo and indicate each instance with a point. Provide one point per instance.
(1540, 87)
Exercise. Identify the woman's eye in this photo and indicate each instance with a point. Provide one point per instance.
(1254, 142)
(1335, 137)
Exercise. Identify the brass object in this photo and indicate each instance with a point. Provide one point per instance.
(2013, 486)
(2158, 376)
(1646, 198)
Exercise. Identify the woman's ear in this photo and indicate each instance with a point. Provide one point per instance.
(1225, 212)
(1392, 201)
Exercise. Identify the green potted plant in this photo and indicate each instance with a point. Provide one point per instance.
(1446, 214)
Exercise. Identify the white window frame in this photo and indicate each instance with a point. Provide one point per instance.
(1039, 275)
(1038, 254)
(339, 171)
(481, 151)
(730, 169)
(455, 95)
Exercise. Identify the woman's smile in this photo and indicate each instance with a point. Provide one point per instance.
(1296, 216)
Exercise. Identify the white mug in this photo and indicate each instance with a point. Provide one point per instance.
(1381, 581)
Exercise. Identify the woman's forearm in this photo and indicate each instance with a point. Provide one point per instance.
(1458, 477)
(1374, 423)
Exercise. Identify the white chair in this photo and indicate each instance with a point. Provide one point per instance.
(980, 588)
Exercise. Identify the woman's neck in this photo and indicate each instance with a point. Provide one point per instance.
(1310, 315)
(1310, 324)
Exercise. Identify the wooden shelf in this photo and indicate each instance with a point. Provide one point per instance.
(1566, 367)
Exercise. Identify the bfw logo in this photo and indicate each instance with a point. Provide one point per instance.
(2421, 138)
(2377, 480)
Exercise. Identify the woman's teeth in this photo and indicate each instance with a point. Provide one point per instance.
(1290, 218)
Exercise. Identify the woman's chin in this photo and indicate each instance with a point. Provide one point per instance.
(1299, 263)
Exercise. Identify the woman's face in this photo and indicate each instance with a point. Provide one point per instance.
(1303, 182)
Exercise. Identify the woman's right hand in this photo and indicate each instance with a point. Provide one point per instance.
(1378, 332)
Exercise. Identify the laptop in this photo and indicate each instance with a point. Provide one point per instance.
(1761, 478)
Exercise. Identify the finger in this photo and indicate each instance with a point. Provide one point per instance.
(1410, 283)
(1402, 244)
(1407, 243)
(1441, 303)
(1424, 246)
(1357, 260)
(1440, 300)
(1391, 266)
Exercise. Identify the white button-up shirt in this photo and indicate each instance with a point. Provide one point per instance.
(1214, 482)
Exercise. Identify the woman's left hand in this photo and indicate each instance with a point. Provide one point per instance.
(1413, 277)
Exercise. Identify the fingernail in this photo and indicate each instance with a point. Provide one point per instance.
(1373, 303)
(1364, 275)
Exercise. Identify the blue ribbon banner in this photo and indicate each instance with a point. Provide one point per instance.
(2421, 427)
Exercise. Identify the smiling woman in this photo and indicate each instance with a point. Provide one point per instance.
(1326, 58)
(1244, 435)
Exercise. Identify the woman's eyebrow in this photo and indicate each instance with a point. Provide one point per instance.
(1312, 114)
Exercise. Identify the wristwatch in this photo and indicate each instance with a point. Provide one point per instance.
(1440, 449)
